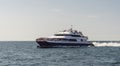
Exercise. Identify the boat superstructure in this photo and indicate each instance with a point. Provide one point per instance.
(68, 37)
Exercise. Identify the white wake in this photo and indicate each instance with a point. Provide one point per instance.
(114, 44)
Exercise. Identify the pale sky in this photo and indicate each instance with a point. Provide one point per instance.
(31, 19)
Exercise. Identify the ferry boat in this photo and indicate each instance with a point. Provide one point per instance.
(70, 37)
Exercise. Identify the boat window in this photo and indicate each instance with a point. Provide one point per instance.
(81, 40)
(67, 35)
(62, 35)
(61, 39)
(72, 40)
(76, 35)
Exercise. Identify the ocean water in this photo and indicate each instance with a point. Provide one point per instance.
(25, 53)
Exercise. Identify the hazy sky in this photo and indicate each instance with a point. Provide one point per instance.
(30, 19)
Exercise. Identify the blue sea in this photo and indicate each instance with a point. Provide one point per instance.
(26, 53)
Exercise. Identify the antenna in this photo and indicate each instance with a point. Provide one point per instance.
(71, 27)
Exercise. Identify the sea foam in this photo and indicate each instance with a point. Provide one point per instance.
(112, 44)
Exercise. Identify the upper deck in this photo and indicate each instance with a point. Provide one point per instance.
(70, 32)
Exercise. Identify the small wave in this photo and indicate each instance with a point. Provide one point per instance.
(112, 44)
